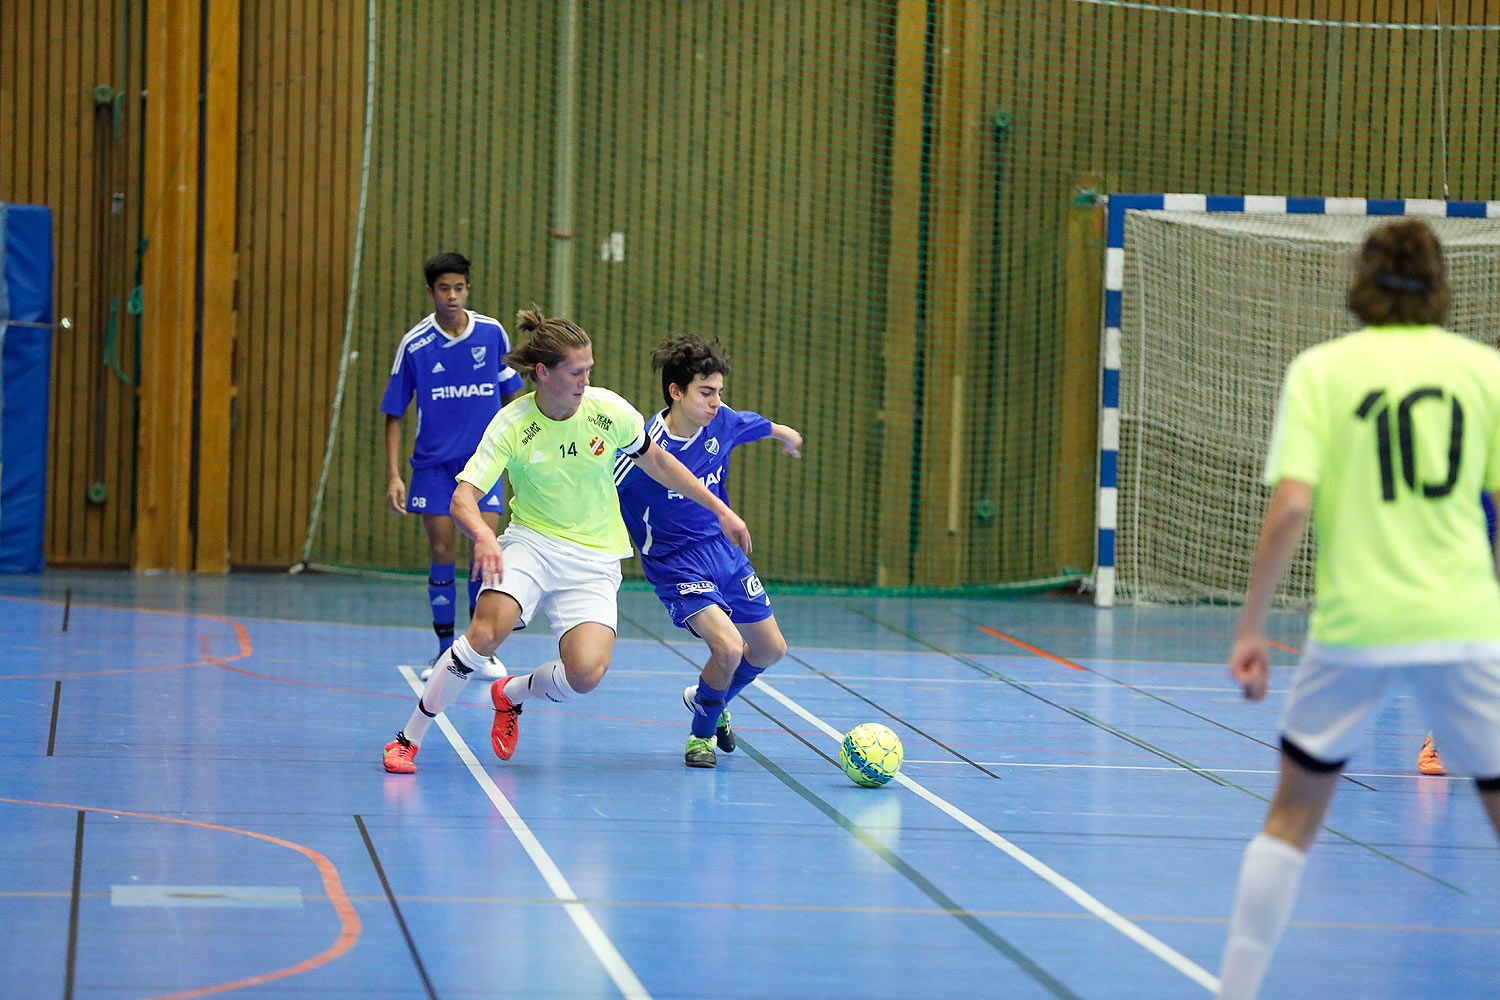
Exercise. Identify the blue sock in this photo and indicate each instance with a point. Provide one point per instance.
(744, 674)
(474, 586)
(441, 593)
(707, 704)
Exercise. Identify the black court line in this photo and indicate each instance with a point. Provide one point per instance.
(1106, 727)
(893, 716)
(411, 945)
(1172, 704)
(73, 910)
(67, 607)
(790, 732)
(837, 683)
(916, 878)
(1022, 687)
(922, 883)
(52, 733)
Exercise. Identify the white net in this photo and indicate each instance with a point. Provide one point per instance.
(1214, 308)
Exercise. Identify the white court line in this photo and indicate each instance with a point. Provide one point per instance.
(604, 949)
(1160, 949)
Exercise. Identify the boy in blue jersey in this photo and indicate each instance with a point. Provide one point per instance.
(452, 363)
(707, 585)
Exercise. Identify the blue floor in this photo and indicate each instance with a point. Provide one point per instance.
(196, 807)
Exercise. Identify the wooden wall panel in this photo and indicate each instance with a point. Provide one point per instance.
(301, 122)
(63, 151)
(759, 158)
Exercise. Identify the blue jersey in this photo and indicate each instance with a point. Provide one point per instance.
(661, 521)
(458, 383)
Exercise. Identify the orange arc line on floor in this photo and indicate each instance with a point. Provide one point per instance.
(333, 887)
(242, 637)
(1030, 648)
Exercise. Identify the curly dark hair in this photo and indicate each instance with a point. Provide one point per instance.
(683, 357)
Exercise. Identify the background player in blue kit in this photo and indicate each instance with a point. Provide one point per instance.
(706, 583)
(452, 362)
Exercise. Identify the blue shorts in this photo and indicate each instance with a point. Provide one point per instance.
(713, 571)
(432, 490)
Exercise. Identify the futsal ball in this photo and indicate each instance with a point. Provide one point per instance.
(871, 754)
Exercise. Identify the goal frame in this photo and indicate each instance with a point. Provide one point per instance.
(1106, 509)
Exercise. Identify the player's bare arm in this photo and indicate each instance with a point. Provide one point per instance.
(1285, 521)
(395, 485)
(791, 440)
(667, 470)
(485, 561)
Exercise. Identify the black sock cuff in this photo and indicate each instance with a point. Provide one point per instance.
(1488, 784)
(430, 715)
(443, 631)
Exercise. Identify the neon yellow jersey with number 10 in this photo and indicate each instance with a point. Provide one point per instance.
(1397, 429)
(562, 472)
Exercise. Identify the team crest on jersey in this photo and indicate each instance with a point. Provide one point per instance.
(711, 446)
(597, 446)
(753, 586)
(478, 353)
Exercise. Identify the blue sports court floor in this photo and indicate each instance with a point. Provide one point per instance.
(193, 805)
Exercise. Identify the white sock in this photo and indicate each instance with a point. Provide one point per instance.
(548, 681)
(442, 688)
(1269, 877)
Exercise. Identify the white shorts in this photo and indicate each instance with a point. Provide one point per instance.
(569, 583)
(1330, 704)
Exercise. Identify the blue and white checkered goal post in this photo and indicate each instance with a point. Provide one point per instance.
(1207, 299)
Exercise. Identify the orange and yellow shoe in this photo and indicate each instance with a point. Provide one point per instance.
(506, 728)
(1428, 761)
(398, 755)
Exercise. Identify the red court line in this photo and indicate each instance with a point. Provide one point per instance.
(349, 924)
(1029, 647)
(1059, 659)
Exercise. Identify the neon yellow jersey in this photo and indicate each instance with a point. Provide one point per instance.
(562, 471)
(1397, 429)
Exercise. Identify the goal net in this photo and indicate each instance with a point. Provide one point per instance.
(1211, 308)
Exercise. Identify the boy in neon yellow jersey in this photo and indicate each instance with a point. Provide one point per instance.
(561, 553)
(1384, 437)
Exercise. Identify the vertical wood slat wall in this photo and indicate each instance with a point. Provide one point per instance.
(301, 121)
(1131, 99)
(63, 150)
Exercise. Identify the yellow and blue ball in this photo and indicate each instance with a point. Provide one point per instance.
(871, 754)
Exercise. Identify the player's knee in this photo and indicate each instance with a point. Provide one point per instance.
(585, 675)
(485, 634)
(768, 653)
(724, 656)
